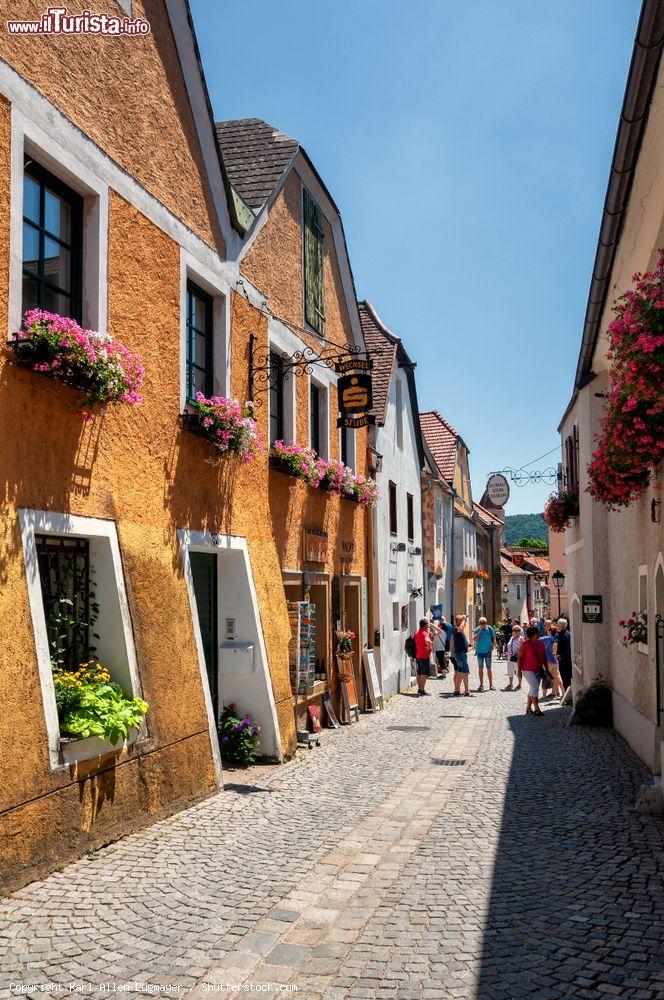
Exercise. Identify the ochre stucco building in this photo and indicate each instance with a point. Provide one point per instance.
(117, 135)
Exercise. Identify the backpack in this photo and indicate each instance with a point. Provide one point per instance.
(409, 647)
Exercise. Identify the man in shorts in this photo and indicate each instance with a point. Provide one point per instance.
(459, 656)
(484, 639)
(423, 646)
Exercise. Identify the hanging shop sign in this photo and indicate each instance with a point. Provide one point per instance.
(353, 365)
(498, 490)
(518, 559)
(591, 608)
(315, 545)
(355, 400)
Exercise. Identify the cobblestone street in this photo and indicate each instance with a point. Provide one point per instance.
(447, 847)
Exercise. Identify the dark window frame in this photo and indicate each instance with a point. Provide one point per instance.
(276, 397)
(410, 516)
(313, 263)
(45, 179)
(314, 417)
(64, 560)
(394, 516)
(194, 290)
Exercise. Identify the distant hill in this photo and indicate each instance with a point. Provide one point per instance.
(525, 526)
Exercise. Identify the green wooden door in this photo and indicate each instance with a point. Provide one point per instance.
(204, 572)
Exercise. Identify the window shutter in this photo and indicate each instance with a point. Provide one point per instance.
(314, 237)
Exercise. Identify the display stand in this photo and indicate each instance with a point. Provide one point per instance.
(348, 692)
(372, 679)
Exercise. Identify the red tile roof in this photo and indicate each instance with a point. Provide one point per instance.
(442, 440)
(382, 346)
(486, 515)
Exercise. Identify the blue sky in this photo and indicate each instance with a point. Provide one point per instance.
(468, 148)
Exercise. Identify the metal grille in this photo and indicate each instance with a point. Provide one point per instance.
(447, 763)
(64, 572)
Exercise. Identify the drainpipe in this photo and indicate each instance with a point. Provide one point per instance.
(425, 488)
(452, 580)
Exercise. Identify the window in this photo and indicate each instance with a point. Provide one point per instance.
(393, 508)
(314, 250)
(643, 601)
(276, 401)
(64, 573)
(398, 402)
(438, 520)
(52, 241)
(410, 515)
(314, 417)
(347, 449)
(518, 591)
(572, 460)
(396, 618)
(199, 342)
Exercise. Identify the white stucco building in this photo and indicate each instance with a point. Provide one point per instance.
(396, 542)
(617, 557)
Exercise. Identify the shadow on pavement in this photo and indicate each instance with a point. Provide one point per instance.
(576, 906)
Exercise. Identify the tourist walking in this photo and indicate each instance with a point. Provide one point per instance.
(423, 647)
(505, 634)
(550, 639)
(512, 655)
(459, 656)
(532, 666)
(564, 652)
(484, 639)
(439, 643)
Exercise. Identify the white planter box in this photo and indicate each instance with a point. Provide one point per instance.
(73, 751)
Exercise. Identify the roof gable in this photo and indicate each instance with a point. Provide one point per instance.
(443, 441)
(256, 156)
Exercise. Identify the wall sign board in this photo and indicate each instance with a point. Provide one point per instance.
(373, 682)
(315, 545)
(591, 608)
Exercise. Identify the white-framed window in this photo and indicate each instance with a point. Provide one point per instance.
(92, 544)
(204, 331)
(643, 603)
(319, 432)
(396, 617)
(398, 410)
(438, 519)
(518, 591)
(58, 231)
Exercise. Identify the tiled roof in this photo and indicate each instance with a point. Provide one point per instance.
(486, 515)
(442, 440)
(382, 346)
(255, 155)
(508, 567)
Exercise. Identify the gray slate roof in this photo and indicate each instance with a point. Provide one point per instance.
(255, 156)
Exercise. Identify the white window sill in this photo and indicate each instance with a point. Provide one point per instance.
(74, 751)
(642, 647)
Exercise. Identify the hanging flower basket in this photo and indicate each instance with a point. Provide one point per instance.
(636, 629)
(295, 460)
(631, 441)
(226, 424)
(95, 363)
(559, 510)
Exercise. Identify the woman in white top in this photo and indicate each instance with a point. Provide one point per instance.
(439, 638)
(512, 654)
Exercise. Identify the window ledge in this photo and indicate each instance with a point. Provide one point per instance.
(73, 751)
(642, 648)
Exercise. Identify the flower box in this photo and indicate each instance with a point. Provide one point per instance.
(94, 363)
(630, 445)
(560, 509)
(331, 476)
(72, 750)
(226, 424)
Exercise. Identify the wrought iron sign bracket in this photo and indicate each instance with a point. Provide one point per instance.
(339, 357)
(526, 477)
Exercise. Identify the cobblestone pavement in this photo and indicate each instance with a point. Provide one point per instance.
(446, 847)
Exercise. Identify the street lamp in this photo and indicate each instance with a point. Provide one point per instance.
(558, 582)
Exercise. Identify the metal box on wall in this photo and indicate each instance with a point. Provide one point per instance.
(236, 658)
